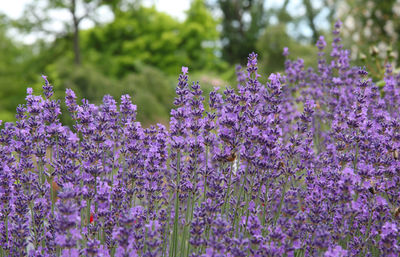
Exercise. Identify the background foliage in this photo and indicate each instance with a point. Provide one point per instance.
(140, 50)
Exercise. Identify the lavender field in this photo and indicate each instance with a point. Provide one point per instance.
(306, 164)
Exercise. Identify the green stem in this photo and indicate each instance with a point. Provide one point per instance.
(88, 211)
(207, 234)
(248, 201)
(166, 233)
(145, 237)
(367, 232)
(95, 202)
(238, 200)
(52, 194)
(281, 201)
(187, 224)
(227, 196)
(6, 229)
(189, 214)
(348, 234)
(258, 193)
(265, 204)
(356, 158)
(176, 219)
(133, 197)
(205, 175)
(191, 217)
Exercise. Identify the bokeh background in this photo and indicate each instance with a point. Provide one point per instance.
(99, 47)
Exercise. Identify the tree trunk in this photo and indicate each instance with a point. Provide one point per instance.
(310, 14)
(77, 50)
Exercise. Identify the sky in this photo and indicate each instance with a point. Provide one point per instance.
(12, 8)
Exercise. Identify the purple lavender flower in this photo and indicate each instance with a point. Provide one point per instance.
(336, 251)
(285, 51)
(67, 218)
(303, 165)
(47, 88)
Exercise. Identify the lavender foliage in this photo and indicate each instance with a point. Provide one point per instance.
(307, 164)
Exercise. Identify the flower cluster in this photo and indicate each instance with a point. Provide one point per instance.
(307, 164)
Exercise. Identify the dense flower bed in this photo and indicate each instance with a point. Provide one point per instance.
(305, 165)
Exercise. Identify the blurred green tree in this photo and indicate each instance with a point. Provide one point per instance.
(199, 37)
(37, 18)
(152, 91)
(142, 35)
(270, 47)
(242, 24)
(14, 72)
(138, 35)
(372, 29)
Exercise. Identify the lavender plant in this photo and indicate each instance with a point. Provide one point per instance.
(304, 165)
